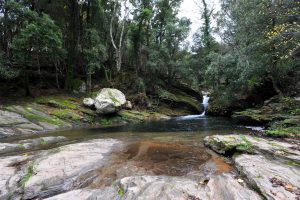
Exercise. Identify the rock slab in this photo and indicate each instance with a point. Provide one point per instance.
(222, 187)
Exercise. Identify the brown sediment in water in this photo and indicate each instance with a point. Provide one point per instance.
(157, 158)
(221, 165)
(174, 159)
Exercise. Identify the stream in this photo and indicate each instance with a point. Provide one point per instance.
(156, 159)
(171, 147)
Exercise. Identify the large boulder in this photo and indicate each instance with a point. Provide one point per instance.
(109, 101)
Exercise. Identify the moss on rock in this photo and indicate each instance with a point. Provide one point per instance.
(58, 102)
(138, 116)
(66, 114)
(283, 132)
(191, 102)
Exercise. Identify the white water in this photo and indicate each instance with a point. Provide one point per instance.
(205, 105)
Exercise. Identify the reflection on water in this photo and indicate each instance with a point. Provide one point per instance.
(173, 147)
(191, 129)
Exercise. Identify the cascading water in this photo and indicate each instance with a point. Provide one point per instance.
(204, 103)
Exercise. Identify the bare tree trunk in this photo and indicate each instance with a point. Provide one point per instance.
(275, 86)
(26, 82)
(118, 48)
(38, 63)
(56, 74)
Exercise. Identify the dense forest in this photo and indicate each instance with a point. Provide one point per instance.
(136, 99)
(140, 45)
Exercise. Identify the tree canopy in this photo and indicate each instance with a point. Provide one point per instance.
(96, 41)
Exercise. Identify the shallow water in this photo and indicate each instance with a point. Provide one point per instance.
(172, 147)
(177, 129)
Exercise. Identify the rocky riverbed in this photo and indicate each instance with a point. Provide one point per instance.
(163, 166)
(114, 169)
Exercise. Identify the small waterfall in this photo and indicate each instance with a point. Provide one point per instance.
(204, 102)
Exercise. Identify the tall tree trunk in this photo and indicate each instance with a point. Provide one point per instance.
(89, 82)
(274, 59)
(118, 48)
(56, 74)
(6, 38)
(26, 82)
(275, 86)
(72, 46)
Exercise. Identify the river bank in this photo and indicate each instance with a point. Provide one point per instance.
(54, 113)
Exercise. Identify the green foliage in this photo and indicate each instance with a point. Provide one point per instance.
(27, 176)
(283, 132)
(105, 122)
(21, 146)
(140, 85)
(245, 146)
(39, 38)
(93, 50)
(6, 71)
(43, 142)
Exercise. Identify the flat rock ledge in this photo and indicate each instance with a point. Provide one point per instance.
(22, 121)
(162, 187)
(29, 144)
(53, 171)
(271, 167)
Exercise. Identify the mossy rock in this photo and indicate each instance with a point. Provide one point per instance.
(86, 111)
(291, 121)
(190, 102)
(217, 110)
(34, 115)
(133, 116)
(229, 144)
(66, 114)
(253, 116)
(295, 111)
(283, 132)
(57, 102)
(138, 116)
(171, 111)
